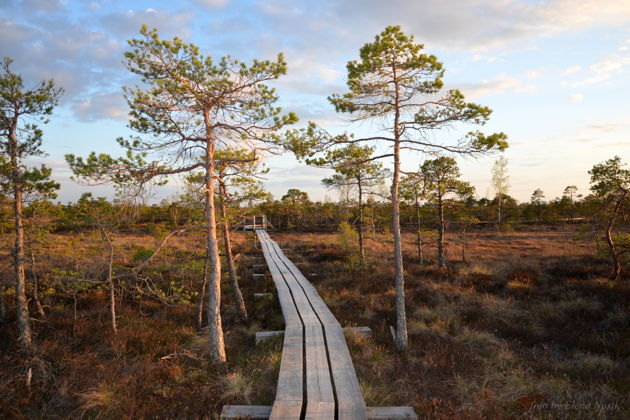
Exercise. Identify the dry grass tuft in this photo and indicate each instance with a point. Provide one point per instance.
(238, 387)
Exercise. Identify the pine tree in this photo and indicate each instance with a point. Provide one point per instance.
(397, 86)
(188, 109)
(21, 138)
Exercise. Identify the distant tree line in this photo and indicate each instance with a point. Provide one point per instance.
(327, 214)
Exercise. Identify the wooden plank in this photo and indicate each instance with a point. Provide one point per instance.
(318, 381)
(289, 391)
(351, 404)
(320, 397)
(263, 335)
(254, 412)
(287, 305)
(286, 410)
(263, 412)
(321, 329)
(320, 411)
(391, 413)
(364, 331)
(309, 289)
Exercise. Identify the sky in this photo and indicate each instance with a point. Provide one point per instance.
(556, 73)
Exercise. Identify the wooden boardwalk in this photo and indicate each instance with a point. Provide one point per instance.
(317, 379)
(316, 371)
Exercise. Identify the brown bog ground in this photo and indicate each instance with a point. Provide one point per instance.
(529, 327)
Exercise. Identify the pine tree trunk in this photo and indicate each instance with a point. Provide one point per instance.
(110, 280)
(440, 232)
(299, 220)
(217, 345)
(112, 304)
(401, 319)
(23, 317)
(372, 220)
(360, 230)
(202, 293)
(38, 303)
(401, 316)
(419, 233)
(500, 208)
(236, 290)
(616, 262)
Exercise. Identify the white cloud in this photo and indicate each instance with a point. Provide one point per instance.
(102, 106)
(306, 67)
(483, 24)
(604, 70)
(534, 73)
(576, 97)
(125, 24)
(571, 70)
(606, 126)
(595, 131)
(615, 144)
(47, 6)
(501, 84)
(212, 4)
(74, 56)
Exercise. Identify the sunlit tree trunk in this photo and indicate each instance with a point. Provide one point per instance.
(38, 304)
(419, 233)
(110, 279)
(401, 317)
(499, 210)
(360, 229)
(440, 231)
(217, 346)
(616, 260)
(236, 290)
(202, 292)
(23, 317)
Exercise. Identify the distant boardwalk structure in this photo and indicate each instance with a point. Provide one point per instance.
(317, 379)
(251, 223)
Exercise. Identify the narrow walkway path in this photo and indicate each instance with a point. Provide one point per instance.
(317, 379)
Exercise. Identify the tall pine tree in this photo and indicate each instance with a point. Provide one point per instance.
(21, 109)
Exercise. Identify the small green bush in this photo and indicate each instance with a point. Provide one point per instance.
(348, 242)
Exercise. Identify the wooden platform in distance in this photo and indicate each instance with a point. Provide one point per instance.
(317, 379)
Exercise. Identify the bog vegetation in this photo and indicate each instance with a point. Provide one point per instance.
(481, 308)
